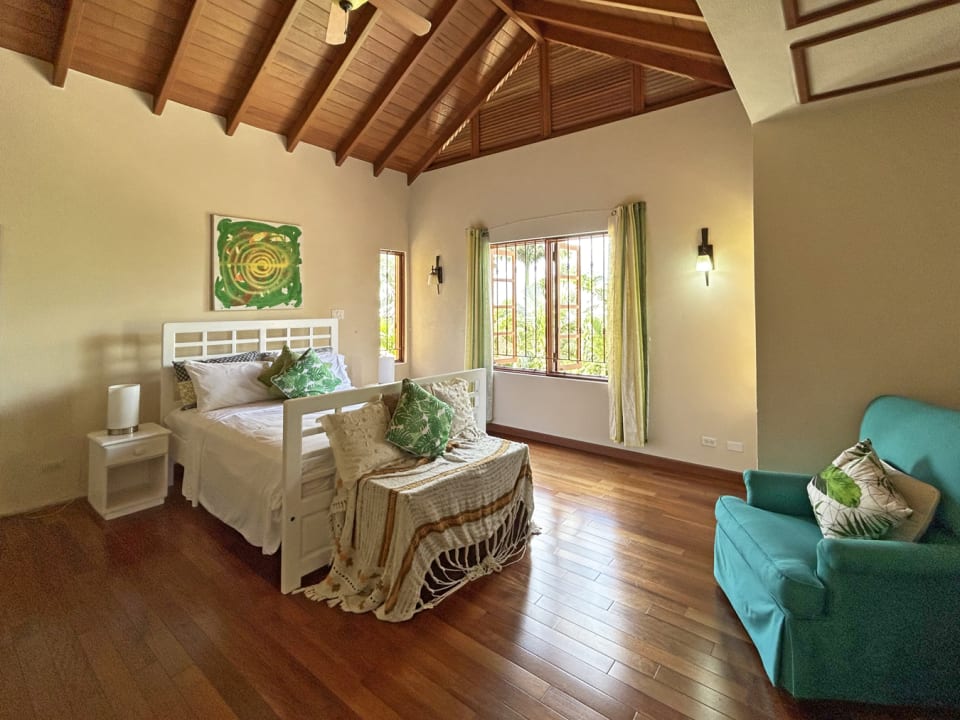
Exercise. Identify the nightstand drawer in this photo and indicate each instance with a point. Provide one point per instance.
(135, 450)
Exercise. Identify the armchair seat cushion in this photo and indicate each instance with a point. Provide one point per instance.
(781, 550)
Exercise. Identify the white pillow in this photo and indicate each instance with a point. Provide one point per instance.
(358, 441)
(223, 385)
(922, 497)
(456, 394)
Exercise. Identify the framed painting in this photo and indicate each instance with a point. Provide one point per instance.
(256, 264)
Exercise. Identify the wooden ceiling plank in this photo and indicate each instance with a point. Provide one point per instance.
(528, 25)
(362, 21)
(392, 83)
(282, 23)
(686, 9)
(169, 77)
(668, 62)
(68, 40)
(458, 68)
(618, 27)
(506, 64)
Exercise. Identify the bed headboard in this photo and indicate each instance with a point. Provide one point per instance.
(216, 338)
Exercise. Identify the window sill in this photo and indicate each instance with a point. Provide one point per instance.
(538, 373)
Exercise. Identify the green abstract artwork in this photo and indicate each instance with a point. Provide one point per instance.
(256, 264)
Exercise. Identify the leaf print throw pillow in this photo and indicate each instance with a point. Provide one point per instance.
(854, 498)
(421, 423)
(307, 376)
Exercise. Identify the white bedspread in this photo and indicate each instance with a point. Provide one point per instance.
(234, 465)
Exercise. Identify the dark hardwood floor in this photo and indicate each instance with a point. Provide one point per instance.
(614, 613)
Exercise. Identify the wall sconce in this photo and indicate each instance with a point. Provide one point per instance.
(436, 275)
(705, 256)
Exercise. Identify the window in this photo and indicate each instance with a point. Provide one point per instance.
(548, 298)
(392, 294)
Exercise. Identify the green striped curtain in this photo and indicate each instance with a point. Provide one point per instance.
(479, 350)
(627, 326)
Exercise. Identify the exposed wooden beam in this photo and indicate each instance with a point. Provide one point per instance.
(388, 88)
(459, 67)
(618, 27)
(686, 9)
(712, 73)
(281, 25)
(546, 94)
(160, 97)
(638, 98)
(475, 136)
(530, 27)
(362, 22)
(68, 39)
(516, 53)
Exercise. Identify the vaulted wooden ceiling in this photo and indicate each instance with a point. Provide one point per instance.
(490, 75)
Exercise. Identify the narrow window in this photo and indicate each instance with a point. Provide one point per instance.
(392, 294)
(548, 298)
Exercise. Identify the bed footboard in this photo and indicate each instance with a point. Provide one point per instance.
(307, 541)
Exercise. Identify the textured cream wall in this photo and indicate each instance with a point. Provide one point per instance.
(857, 210)
(692, 166)
(105, 235)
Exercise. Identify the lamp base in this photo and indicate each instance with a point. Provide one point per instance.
(123, 431)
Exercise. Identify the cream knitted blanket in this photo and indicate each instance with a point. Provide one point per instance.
(406, 538)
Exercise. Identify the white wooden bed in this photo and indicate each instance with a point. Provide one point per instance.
(306, 543)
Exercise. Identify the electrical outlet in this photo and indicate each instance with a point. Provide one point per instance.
(734, 446)
(336, 313)
(50, 466)
(708, 441)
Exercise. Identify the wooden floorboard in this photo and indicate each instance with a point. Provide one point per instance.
(613, 613)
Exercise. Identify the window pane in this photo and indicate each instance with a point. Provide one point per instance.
(548, 299)
(391, 303)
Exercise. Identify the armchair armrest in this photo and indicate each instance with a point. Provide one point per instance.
(839, 559)
(779, 492)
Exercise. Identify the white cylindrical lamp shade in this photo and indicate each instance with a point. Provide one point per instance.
(123, 409)
(386, 369)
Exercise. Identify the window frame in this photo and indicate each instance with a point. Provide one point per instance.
(399, 302)
(552, 298)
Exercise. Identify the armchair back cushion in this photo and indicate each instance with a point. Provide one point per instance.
(921, 440)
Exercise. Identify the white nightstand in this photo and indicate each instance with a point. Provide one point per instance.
(127, 472)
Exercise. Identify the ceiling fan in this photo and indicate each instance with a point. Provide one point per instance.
(340, 11)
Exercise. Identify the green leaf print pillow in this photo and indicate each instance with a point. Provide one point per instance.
(308, 376)
(421, 423)
(853, 498)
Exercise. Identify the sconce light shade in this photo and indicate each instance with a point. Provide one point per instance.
(436, 275)
(123, 409)
(705, 256)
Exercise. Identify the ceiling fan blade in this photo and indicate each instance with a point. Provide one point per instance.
(337, 25)
(404, 16)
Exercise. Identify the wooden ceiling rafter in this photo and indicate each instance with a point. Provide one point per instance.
(362, 21)
(618, 27)
(281, 25)
(638, 91)
(392, 84)
(530, 26)
(459, 67)
(684, 9)
(715, 74)
(546, 99)
(162, 94)
(67, 41)
(521, 46)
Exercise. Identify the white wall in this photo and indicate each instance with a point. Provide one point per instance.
(692, 165)
(858, 260)
(105, 235)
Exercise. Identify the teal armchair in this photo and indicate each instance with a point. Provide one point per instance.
(867, 620)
